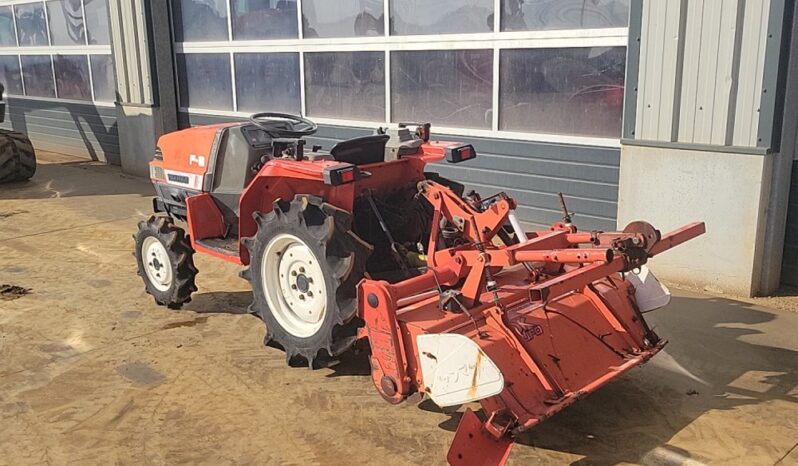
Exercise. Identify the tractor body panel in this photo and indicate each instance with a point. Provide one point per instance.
(283, 179)
(189, 152)
(206, 172)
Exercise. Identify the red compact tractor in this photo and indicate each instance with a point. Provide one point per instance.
(455, 299)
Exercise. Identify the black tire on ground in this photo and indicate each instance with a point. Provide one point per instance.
(179, 255)
(17, 157)
(325, 231)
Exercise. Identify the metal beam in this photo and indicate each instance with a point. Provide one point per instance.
(771, 103)
(632, 68)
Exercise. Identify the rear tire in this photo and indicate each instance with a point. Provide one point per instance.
(305, 266)
(165, 261)
(17, 157)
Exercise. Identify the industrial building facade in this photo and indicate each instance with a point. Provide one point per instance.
(573, 96)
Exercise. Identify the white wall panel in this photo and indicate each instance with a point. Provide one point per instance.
(710, 43)
(752, 57)
(690, 77)
(701, 70)
(660, 65)
(707, 39)
(721, 85)
(722, 189)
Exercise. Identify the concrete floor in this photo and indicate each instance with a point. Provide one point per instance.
(92, 372)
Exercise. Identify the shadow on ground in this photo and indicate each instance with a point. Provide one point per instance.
(226, 302)
(706, 366)
(65, 179)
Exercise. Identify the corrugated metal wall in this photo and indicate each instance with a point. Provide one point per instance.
(130, 49)
(710, 78)
(789, 273)
(699, 82)
(82, 130)
(531, 173)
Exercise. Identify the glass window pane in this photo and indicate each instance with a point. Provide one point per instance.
(102, 75)
(563, 91)
(9, 74)
(264, 19)
(445, 87)
(31, 24)
(200, 20)
(66, 22)
(37, 74)
(7, 35)
(72, 77)
(97, 21)
(441, 16)
(345, 85)
(539, 15)
(267, 82)
(204, 81)
(343, 18)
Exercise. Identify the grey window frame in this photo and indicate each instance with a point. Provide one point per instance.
(495, 40)
(53, 50)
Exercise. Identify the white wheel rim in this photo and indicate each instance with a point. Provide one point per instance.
(157, 265)
(294, 285)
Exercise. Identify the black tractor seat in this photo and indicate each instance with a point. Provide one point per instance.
(361, 151)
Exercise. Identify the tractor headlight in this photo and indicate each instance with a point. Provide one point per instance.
(156, 173)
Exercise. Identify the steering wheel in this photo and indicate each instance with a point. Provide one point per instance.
(283, 125)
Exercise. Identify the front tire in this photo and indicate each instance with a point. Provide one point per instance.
(305, 266)
(165, 261)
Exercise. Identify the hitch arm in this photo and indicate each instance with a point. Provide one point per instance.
(678, 236)
(478, 227)
(581, 277)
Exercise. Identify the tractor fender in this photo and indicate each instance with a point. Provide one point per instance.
(283, 180)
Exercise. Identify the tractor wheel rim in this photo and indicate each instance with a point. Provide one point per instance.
(294, 285)
(157, 265)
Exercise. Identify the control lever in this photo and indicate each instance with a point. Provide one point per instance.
(397, 250)
(566, 216)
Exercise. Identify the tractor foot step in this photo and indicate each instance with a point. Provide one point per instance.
(225, 246)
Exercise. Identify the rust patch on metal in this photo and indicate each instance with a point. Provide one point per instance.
(472, 390)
